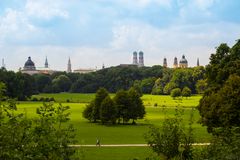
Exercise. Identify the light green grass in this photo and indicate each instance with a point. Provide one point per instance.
(149, 100)
(63, 97)
(124, 134)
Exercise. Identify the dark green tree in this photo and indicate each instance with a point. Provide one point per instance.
(62, 82)
(101, 94)
(122, 101)
(219, 106)
(201, 86)
(88, 111)
(108, 111)
(136, 110)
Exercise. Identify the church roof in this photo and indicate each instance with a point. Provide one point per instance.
(29, 64)
(183, 60)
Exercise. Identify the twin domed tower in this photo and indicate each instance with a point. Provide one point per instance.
(138, 61)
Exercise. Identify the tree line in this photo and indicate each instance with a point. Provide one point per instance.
(147, 80)
(125, 106)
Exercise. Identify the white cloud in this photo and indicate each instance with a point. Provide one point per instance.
(45, 9)
(192, 40)
(15, 26)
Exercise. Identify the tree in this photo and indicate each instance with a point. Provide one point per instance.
(169, 87)
(158, 87)
(88, 111)
(122, 101)
(221, 109)
(219, 106)
(42, 81)
(62, 82)
(176, 93)
(108, 111)
(147, 85)
(44, 137)
(101, 94)
(137, 109)
(167, 141)
(201, 86)
(186, 92)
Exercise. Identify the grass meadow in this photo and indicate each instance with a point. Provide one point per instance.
(157, 108)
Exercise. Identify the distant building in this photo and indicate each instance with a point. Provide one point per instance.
(3, 64)
(183, 63)
(30, 68)
(165, 62)
(84, 70)
(175, 63)
(135, 58)
(198, 62)
(46, 63)
(69, 66)
(141, 59)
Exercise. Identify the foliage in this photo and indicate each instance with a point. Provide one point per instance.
(108, 111)
(122, 101)
(87, 113)
(166, 140)
(186, 92)
(44, 137)
(176, 92)
(137, 109)
(201, 86)
(125, 105)
(101, 94)
(18, 85)
(224, 146)
(219, 106)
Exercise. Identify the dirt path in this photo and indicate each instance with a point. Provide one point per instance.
(127, 145)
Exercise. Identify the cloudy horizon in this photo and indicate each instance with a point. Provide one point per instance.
(94, 32)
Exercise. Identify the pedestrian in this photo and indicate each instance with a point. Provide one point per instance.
(98, 142)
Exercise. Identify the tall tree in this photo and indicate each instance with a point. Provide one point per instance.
(101, 94)
(137, 109)
(219, 106)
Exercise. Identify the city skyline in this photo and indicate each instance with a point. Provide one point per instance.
(103, 31)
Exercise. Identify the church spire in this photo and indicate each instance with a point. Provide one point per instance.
(3, 64)
(46, 63)
(198, 62)
(69, 66)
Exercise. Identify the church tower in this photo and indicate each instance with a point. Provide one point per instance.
(175, 63)
(135, 59)
(165, 62)
(69, 66)
(46, 63)
(198, 62)
(141, 59)
(3, 64)
(183, 62)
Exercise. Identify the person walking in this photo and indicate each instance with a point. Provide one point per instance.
(98, 143)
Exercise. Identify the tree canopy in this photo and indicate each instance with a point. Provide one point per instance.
(220, 104)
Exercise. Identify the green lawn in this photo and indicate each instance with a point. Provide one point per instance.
(116, 153)
(86, 133)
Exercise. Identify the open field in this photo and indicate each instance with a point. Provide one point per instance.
(86, 133)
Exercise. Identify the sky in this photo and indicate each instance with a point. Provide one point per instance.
(97, 32)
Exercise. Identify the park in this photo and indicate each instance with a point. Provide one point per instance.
(157, 108)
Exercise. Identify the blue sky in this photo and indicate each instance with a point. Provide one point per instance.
(93, 32)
